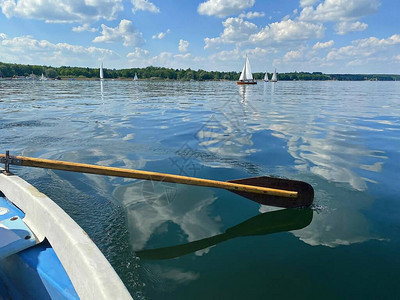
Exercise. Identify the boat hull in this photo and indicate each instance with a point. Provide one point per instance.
(90, 273)
(246, 82)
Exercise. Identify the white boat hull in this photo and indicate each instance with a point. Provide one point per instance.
(89, 271)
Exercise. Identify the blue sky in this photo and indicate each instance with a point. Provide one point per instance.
(330, 36)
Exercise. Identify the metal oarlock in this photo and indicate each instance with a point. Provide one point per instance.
(9, 160)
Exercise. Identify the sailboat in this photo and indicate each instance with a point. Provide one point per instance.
(274, 77)
(135, 77)
(43, 78)
(266, 77)
(246, 77)
(101, 72)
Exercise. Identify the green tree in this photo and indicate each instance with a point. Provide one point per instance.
(51, 73)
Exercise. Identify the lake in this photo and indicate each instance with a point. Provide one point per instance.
(170, 241)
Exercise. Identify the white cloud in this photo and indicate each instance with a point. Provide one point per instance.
(370, 55)
(236, 30)
(225, 55)
(304, 3)
(240, 32)
(55, 11)
(325, 45)
(363, 48)
(161, 35)
(141, 58)
(162, 59)
(125, 32)
(293, 55)
(345, 27)
(27, 50)
(223, 8)
(144, 5)
(223, 59)
(258, 52)
(183, 56)
(3, 36)
(84, 27)
(339, 10)
(287, 30)
(138, 54)
(183, 45)
(252, 15)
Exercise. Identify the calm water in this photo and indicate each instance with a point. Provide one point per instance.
(341, 137)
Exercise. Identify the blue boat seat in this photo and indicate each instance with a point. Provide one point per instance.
(15, 236)
(28, 270)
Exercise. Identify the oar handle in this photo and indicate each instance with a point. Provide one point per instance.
(139, 174)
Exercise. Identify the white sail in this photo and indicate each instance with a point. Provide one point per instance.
(246, 72)
(274, 77)
(101, 71)
(243, 74)
(135, 78)
(249, 74)
(43, 78)
(266, 76)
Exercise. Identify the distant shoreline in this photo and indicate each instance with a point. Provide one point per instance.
(34, 72)
(172, 80)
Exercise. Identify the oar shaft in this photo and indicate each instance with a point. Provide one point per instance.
(139, 174)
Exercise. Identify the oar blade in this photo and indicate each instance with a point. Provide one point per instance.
(305, 191)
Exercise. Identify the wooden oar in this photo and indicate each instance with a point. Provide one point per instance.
(265, 190)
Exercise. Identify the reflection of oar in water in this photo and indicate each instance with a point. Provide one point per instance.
(267, 223)
(265, 190)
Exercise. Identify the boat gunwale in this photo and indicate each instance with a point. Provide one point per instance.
(91, 274)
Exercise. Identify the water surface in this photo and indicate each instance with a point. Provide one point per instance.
(169, 241)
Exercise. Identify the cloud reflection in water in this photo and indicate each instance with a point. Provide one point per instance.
(148, 208)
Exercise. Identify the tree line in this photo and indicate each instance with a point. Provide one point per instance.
(159, 73)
